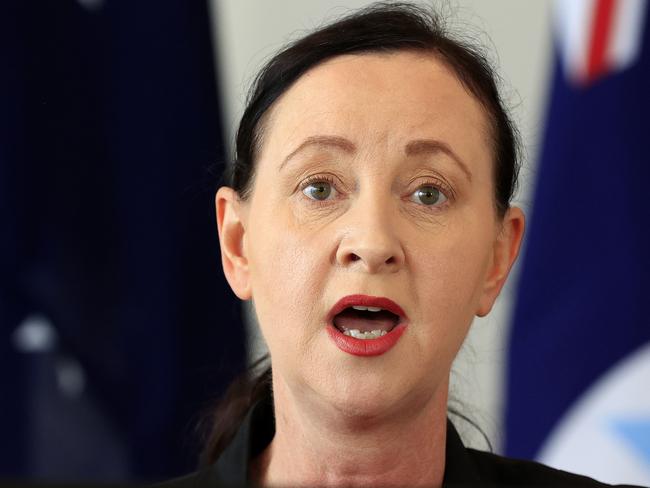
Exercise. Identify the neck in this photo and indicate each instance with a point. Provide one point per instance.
(317, 446)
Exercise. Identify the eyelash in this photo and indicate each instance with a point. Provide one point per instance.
(316, 179)
(446, 189)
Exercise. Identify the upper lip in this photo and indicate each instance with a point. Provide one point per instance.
(366, 301)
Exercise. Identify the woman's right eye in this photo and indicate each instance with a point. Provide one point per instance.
(319, 190)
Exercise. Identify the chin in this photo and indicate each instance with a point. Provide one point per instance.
(368, 397)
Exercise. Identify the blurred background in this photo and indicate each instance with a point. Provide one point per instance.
(117, 328)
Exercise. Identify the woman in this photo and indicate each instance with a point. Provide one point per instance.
(369, 220)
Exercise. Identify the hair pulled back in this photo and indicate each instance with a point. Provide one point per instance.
(384, 27)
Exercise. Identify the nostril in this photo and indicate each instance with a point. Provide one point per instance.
(354, 257)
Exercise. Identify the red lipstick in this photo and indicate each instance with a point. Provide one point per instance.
(366, 301)
(366, 347)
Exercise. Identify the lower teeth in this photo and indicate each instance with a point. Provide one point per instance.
(357, 334)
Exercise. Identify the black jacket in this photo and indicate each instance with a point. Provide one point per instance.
(463, 466)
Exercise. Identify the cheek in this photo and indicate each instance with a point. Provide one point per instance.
(449, 274)
(288, 269)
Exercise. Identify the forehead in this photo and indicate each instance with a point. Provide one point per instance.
(380, 100)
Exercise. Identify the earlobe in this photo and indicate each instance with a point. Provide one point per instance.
(232, 235)
(505, 252)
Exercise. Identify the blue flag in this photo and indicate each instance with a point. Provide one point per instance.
(578, 394)
(117, 327)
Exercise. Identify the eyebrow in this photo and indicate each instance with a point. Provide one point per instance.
(413, 148)
(322, 141)
(432, 146)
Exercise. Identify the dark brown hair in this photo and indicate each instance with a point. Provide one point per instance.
(379, 28)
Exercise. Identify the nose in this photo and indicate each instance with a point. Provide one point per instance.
(371, 240)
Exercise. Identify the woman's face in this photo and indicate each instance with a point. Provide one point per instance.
(375, 178)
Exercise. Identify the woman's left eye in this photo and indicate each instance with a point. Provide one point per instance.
(319, 190)
(428, 195)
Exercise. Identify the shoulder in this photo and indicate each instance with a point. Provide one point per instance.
(503, 471)
(201, 479)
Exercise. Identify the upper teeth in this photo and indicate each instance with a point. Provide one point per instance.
(369, 309)
(357, 334)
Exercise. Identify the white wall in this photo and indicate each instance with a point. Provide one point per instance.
(518, 33)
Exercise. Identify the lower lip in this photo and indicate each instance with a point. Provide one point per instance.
(365, 347)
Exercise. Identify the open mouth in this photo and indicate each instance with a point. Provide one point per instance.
(364, 322)
(363, 325)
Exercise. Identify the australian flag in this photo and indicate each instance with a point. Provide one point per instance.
(578, 394)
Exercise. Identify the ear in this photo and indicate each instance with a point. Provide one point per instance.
(504, 253)
(232, 234)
